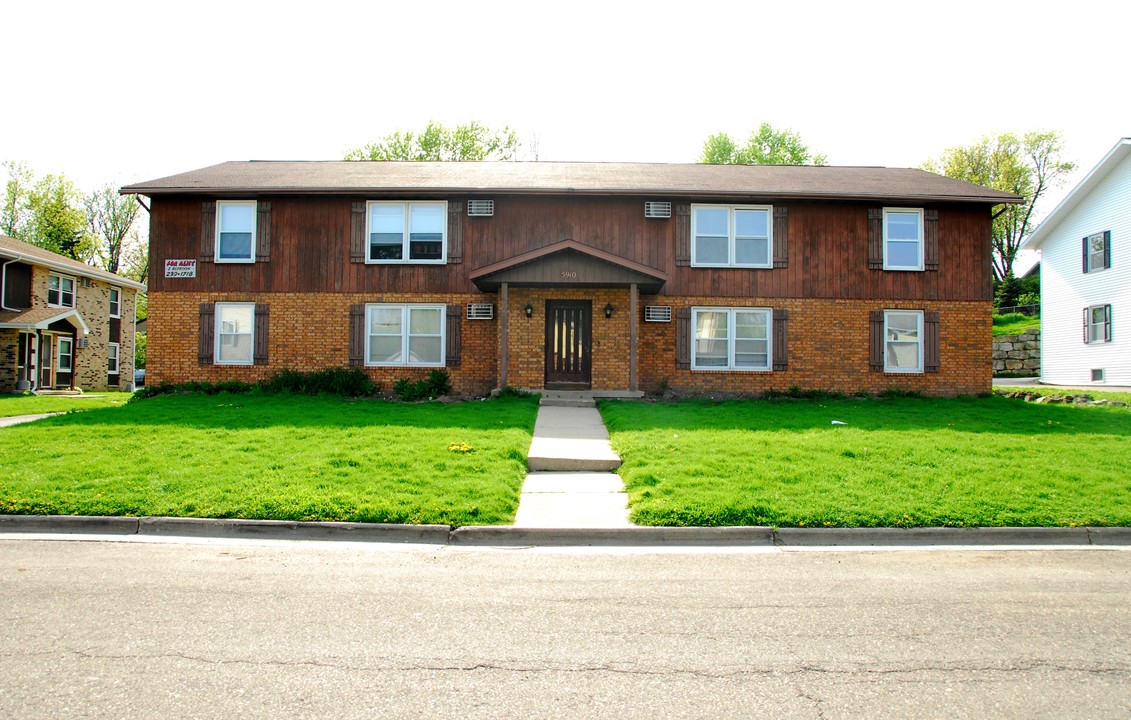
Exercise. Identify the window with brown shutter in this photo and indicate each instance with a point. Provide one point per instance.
(780, 343)
(931, 351)
(207, 231)
(683, 239)
(262, 321)
(263, 232)
(683, 338)
(206, 345)
(452, 352)
(876, 341)
(876, 246)
(455, 233)
(931, 239)
(781, 237)
(357, 331)
(357, 235)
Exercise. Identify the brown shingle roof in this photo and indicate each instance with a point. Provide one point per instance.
(746, 181)
(41, 318)
(11, 248)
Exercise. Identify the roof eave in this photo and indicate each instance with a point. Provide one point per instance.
(106, 277)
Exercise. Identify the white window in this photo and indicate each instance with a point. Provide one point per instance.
(1097, 324)
(407, 232)
(903, 341)
(60, 291)
(235, 231)
(235, 333)
(112, 358)
(115, 302)
(65, 354)
(1097, 251)
(731, 338)
(903, 239)
(405, 335)
(725, 236)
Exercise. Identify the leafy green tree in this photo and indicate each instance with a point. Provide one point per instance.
(47, 212)
(1028, 166)
(110, 218)
(14, 215)
(767, 146)
(469, 142)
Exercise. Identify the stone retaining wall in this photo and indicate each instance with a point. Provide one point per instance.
(1018, 355)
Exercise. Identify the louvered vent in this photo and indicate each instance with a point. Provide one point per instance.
(480, 311)
(83, 342)
(86, 282)
(657, 313)
(657, 209)
(480, 208)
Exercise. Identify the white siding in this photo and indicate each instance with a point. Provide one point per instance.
(1066, 290)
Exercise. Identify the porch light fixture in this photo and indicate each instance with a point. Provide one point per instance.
(609, 310)
(529, 310)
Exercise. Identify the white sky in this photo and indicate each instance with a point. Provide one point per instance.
(129, 91)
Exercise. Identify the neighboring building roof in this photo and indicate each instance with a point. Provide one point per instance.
(699, 180)
(1078, 194)
(42, 318)
(13, 249)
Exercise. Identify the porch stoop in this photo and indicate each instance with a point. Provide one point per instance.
(583, 398)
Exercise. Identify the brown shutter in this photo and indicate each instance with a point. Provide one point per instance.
(263, 232)
(781, 237)
(1085, 244)
(682, 234)
(206, 346)
(876, 241)
(930, 239)
(207, 231)
(262, 320)
(1085, 324)
(683, 338)
(357, 334)
(357, 233)
(931, 354)
(876, 342)
(781, 351)
(452, 353)
(455, 233)
(1107, 248)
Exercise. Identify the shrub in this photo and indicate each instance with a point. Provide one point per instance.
(347, 382)
(435, 384)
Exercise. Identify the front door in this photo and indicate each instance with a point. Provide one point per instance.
(569, 340)
(47, 362)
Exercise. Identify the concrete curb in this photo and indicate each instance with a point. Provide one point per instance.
(509, 536)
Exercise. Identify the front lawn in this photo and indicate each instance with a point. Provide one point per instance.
(274, 456)
(895, 462)
(1015, 324)
(11, 405)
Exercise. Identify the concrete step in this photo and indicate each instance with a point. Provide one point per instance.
(567, 402)
(573, 500)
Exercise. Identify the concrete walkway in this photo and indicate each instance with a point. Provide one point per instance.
(571, 483)
(19, 419)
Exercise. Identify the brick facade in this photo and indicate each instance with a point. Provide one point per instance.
(828, 343)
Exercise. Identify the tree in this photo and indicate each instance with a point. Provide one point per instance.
(468, 142)
(767, 146)
(14, 215)
(110, 217)
(1027, 166)
(47, 212)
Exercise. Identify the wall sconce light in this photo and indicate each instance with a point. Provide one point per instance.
(529, 310)
(609, 310)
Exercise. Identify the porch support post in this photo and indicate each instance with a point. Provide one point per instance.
(632, 313)
(504, 317)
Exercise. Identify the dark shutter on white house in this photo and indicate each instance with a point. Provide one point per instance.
(876, 341)
(931, 353)
(262, 231)
(455, 233)
(1087, 311)
(206, 345)
(1107, 248)
(1084, 244)
(682, 234)
(262, 323)
(876, 242)
(357, 232)
(357, 335)
(207, 231)
(781, 339)
(781, 237)
(452, 336)
(930, 239)
(683, 338)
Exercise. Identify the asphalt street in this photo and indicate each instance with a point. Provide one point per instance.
(217, 628)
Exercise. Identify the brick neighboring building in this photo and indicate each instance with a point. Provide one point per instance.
(63, 324)
(609, 276)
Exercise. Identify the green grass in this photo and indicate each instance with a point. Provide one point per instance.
(11, 405)
(897, 462)
(278, 457)
(1015, 324)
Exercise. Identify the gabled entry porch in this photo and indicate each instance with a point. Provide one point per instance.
(569, 317)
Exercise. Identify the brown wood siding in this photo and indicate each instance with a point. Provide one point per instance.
(17, 286)
(827, 247)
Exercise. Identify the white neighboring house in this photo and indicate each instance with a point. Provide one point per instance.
(1085, 246)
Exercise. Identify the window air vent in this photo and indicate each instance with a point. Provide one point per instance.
(83, 342)
(480, 311)
(656, 209)
(86, 282)
(657, 313)
(480, 208)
